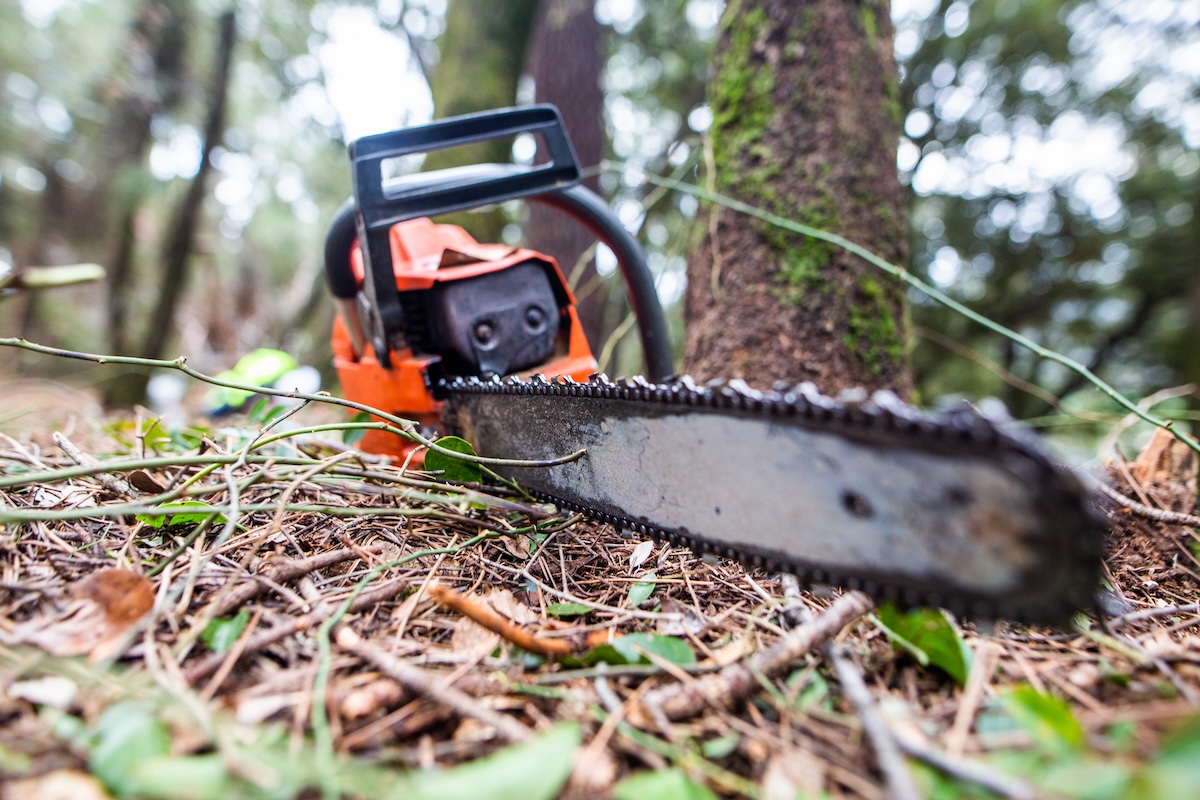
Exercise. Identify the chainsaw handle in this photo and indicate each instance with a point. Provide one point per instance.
(384, 202)
(589, 209)
(577, 202)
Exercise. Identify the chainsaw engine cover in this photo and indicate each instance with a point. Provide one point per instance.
(497, 323)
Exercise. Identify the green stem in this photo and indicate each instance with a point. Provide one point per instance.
(16, 516)
(403, 427)
(907, 277)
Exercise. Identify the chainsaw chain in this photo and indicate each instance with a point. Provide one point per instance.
(881, 419)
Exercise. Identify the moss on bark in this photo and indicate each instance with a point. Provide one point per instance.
(804, 125)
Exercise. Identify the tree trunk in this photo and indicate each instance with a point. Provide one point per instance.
(806, 119)
(565, 61)
(155, 52)
(177, 250)
(482, 55)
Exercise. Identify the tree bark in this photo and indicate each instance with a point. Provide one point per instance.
(565, 62)
(806, 118)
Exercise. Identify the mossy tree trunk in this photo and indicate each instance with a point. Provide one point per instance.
(806, 119)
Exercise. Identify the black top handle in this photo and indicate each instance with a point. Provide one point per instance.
(384, 203)
(380, 203)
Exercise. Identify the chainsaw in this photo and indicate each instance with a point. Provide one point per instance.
(949, 509)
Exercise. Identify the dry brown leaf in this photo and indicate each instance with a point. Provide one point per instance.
(733, 652)
(63, 497)
(470, 639)
(682, 619)
(100, 611)
(61, 784)
(472, 730)
(143, 481)
(517, 547)
(593, 774)
(416, 603)
(503, 603)
(792, 772)
(363, 701)
(1169, 468)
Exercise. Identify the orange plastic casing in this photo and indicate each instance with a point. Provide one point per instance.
(423, 254)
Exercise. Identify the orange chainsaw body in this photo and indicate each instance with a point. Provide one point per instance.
(425, 254)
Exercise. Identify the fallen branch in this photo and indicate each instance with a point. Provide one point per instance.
(424, 683)
(737, 681)
(1143, 510)
(965, 769)
(285, 572)
(107, 480)
(887, 752)
(505, 628)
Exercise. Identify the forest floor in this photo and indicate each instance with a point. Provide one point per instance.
(344, 627)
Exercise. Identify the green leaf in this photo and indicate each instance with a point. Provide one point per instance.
(451, 468)
(929, 636)
(354, 435)
(1089, 778)
(814, 693)
(128, 733)
(677, 651)
(220, 634)
(201, 777)
(1046, 718)
(664, 784)
(568, 609)
(721, 746)
(534, 770)
(1183, 742)
(259, 412)
(631, 649)
(187, 511)
(640, 592)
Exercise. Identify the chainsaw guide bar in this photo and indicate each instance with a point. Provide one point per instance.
(948, 509)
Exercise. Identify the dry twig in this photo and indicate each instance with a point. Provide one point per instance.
(420, 682)
(735, 682)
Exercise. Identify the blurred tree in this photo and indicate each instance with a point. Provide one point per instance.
(148, 82)
(111, 170)
(1052, 152)
(806, 117)
(565, 63)
(482, 58)
(178, 244)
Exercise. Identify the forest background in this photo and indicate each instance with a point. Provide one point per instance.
(197, 151)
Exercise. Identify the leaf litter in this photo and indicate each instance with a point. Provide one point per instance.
(303, 620)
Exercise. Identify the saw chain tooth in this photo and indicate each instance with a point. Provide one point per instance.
(854, 395)
(741, 387)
